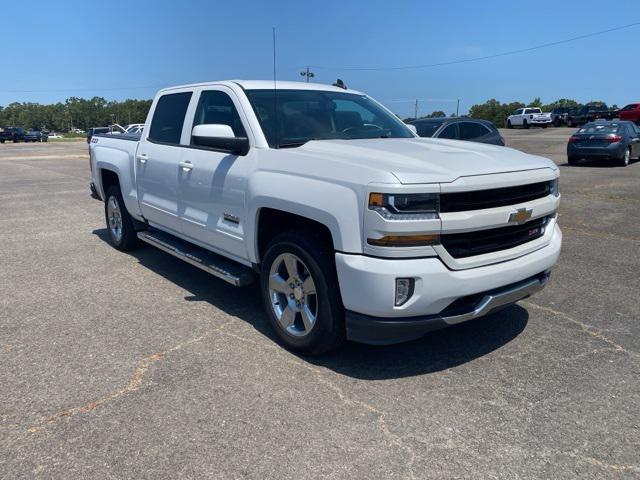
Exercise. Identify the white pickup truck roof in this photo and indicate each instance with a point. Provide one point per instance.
(267, 85)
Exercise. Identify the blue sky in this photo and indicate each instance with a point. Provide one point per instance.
(120, 49)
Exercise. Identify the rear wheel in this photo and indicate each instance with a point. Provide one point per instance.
(509, 124)
(626, 158)
(525, 124)
(120, 226)
(573, 160)
(300, 292)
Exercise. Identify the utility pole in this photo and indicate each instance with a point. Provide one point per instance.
(458, 108)
(307, 73)
(415, 110)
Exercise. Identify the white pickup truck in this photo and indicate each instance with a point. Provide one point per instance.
(527, 117)
(356, 228)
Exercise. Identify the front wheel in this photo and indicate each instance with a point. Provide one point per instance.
(525, 124)
(120, 227)
(299, 287)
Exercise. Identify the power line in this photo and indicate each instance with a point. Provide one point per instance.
(486, 57)
(62, 90)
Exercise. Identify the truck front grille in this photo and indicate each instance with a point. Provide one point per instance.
(461, 245)
(497, 197)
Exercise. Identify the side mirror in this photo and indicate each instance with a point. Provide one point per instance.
(219, 137)
(413, 129)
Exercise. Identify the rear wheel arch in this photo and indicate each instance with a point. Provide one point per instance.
(108, 178)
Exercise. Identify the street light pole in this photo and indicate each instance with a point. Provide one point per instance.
(307, 73)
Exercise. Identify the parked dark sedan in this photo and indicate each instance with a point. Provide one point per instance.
(611, 140)
(469, 129)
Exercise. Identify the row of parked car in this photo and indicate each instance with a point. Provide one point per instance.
(616, 140)
(18, 134)
(571, 116)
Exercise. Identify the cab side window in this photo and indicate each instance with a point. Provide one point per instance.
(470, 130)
(216, 107)
(168, 118)
(450, 131)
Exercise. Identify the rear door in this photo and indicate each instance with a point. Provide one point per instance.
(212, 183)
(157, 161)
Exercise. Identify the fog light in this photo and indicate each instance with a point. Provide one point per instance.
(404, 290)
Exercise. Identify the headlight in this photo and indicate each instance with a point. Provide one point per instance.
(554, 187)
(406, 206)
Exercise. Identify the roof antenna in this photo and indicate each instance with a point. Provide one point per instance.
(275, 91)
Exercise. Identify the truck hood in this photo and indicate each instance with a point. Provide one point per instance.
(426, 160)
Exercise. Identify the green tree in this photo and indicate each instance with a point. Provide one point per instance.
(494, 111)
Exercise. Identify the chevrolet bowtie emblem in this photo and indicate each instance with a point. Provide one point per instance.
(520, 216)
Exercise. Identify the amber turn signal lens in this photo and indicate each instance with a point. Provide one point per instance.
(376, 200)
(404, 240)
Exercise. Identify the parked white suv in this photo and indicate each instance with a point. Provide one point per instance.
(356, 228)
(526, 117)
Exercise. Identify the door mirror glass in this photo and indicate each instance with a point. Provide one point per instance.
(219, 137)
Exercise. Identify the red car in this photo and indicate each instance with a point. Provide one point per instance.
(631, 112)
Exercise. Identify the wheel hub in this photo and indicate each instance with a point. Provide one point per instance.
(292, 293)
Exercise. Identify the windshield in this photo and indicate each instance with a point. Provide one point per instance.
(291, 118)
(600, 128)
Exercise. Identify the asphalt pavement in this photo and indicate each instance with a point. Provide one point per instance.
(136, 365)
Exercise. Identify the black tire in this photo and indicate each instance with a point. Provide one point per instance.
(1, 141)
(328, 331)
(128, 239)
(626, 158)
(544, 126)
(573, 160)
(509, 124)
(525, 124)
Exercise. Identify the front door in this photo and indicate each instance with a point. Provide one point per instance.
(157, 162)
(212, 183)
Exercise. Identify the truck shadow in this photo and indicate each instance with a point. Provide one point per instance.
(435, 352)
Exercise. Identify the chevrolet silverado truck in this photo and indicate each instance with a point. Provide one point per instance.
(354, 227)
(527, 117)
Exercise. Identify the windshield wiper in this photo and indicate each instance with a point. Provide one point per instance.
(291, 145)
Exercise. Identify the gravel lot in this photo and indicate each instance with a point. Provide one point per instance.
(118, 365)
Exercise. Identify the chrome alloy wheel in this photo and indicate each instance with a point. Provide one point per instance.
(114, 218)
(292, 293)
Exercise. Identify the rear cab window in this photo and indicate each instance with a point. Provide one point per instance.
(168, 118)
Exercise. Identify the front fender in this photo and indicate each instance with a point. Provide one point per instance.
(336, 206)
